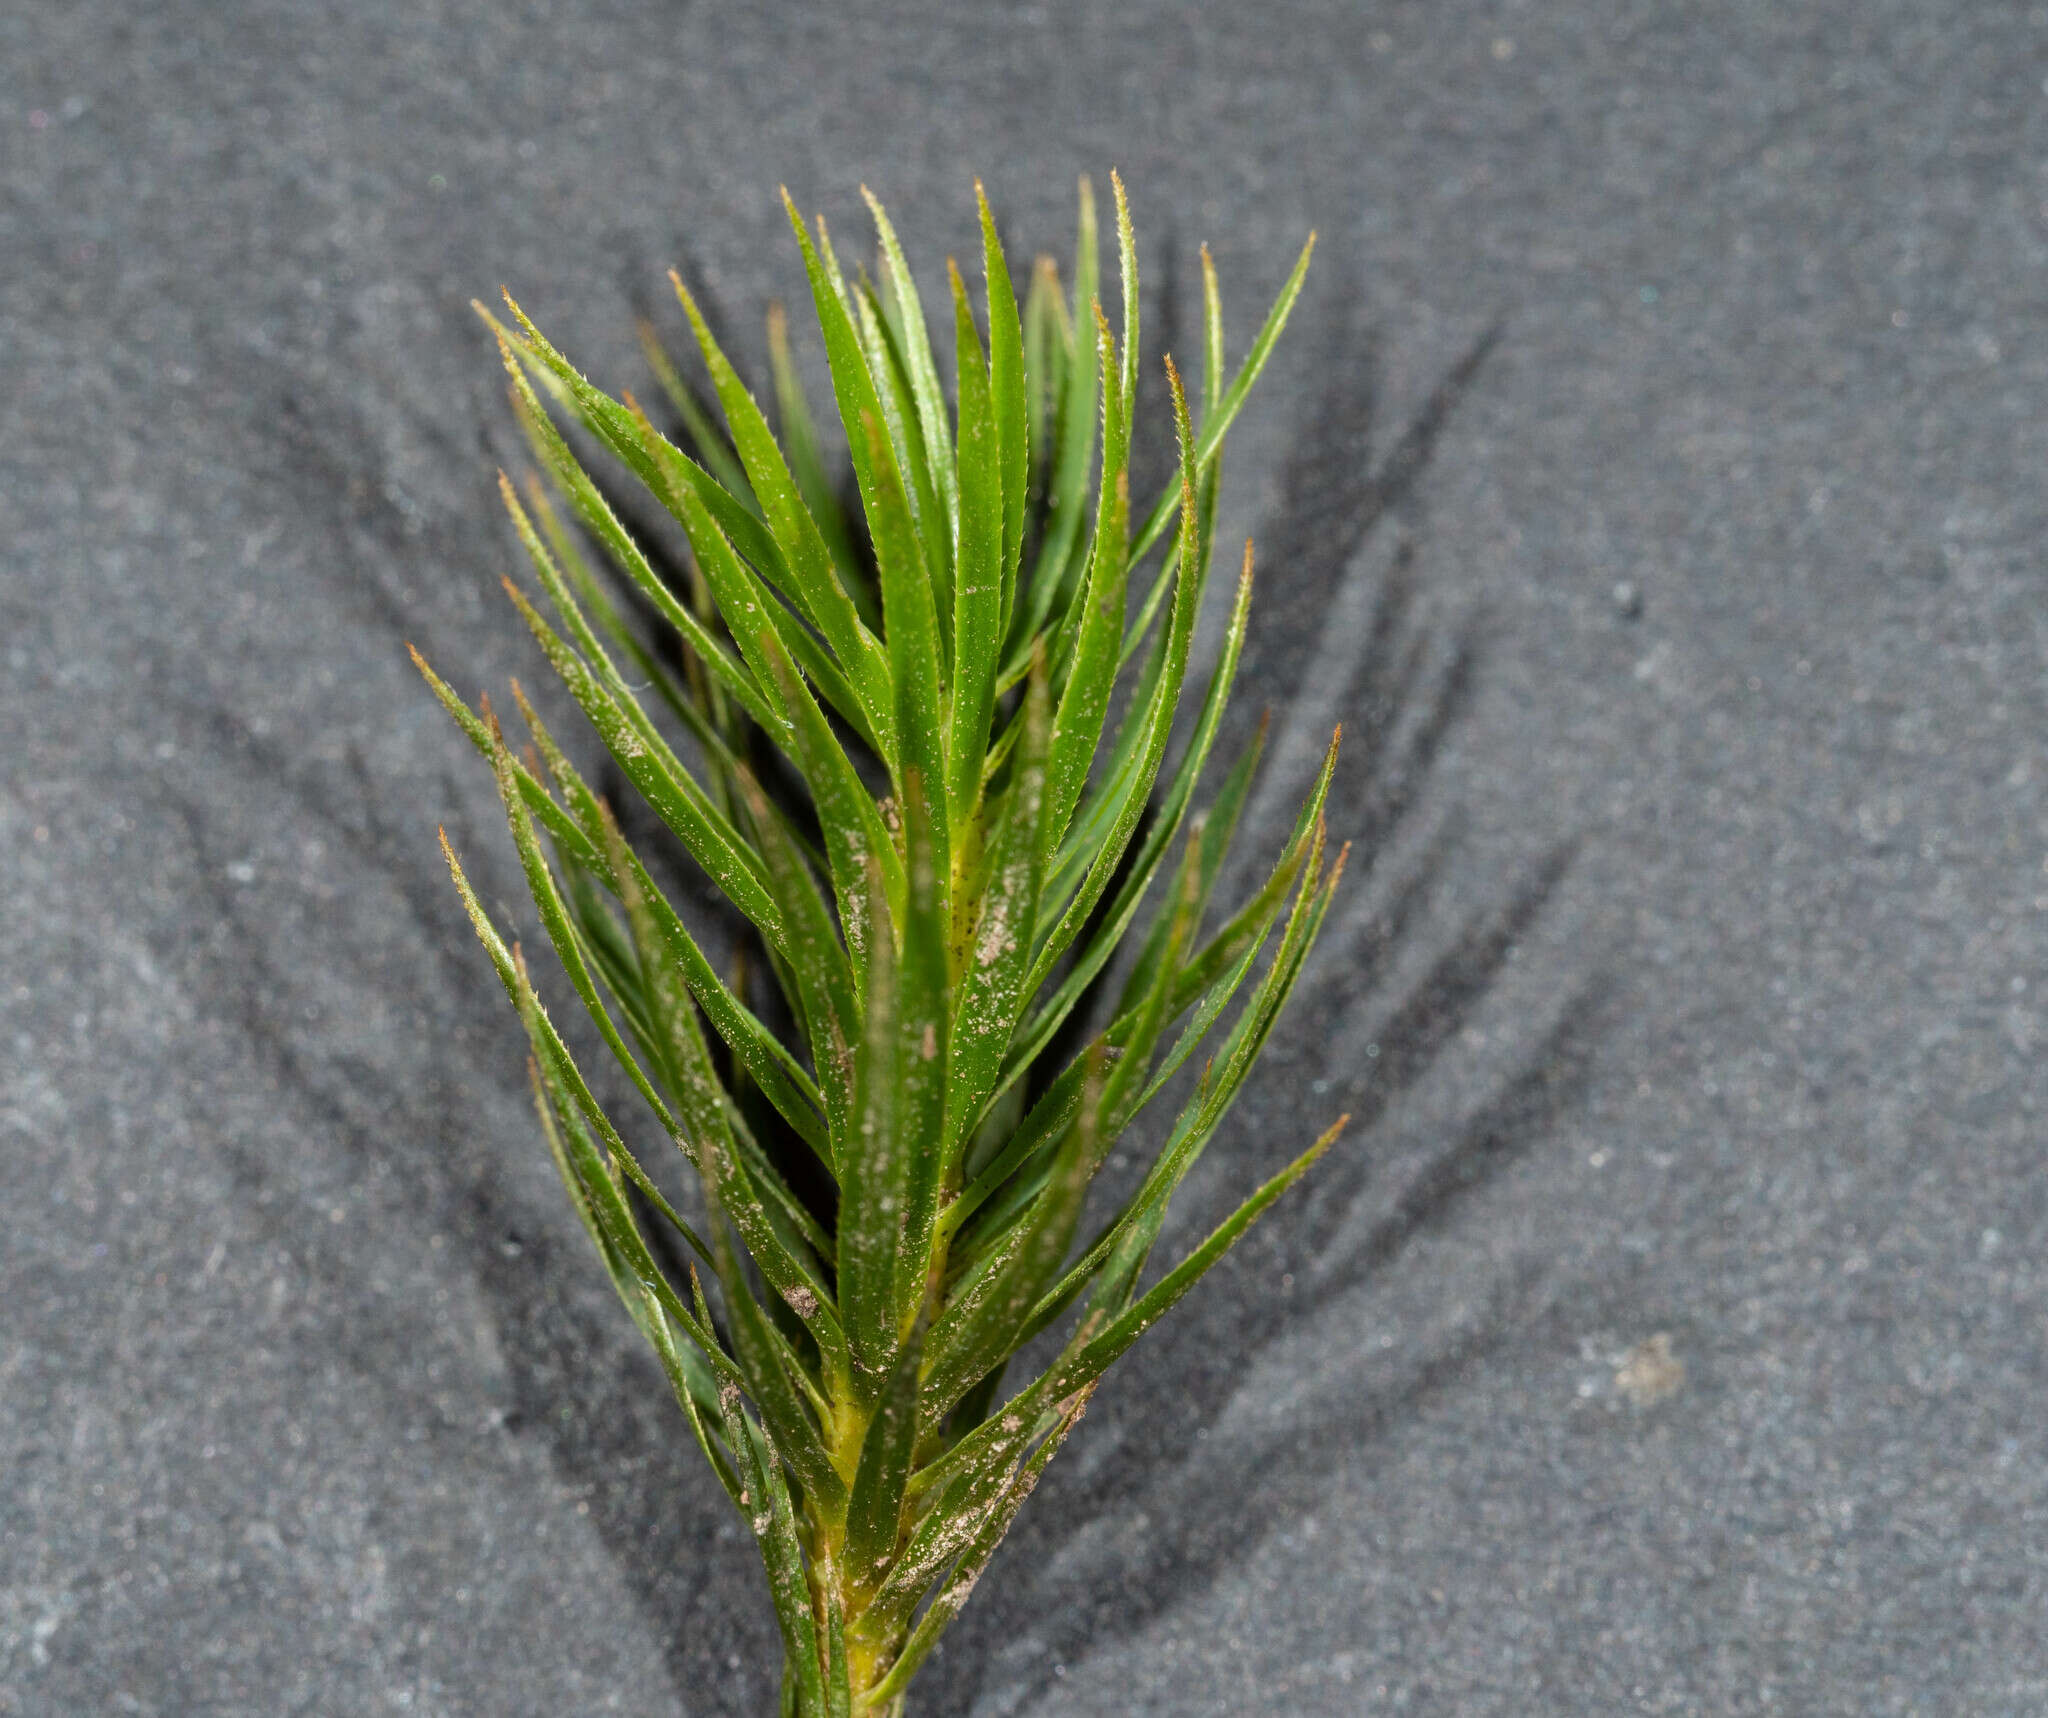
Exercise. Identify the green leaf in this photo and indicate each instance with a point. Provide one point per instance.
(911, 625)
(923, 1052)
(1219, 824)
(911, 459)
(772, 1384)
(557, 1067)
(1036, 1135)
(1008, 406)
(767, 1063)
(1127, 275)
(1215, 424)
(852, 822)
(666, 785)
(978, 571)
(1018, 1171)
(821, 495)
(1077, 728)
(1222, 1081)
(824, 983)
(1223, 948)
(736, 597)
(629, 436)
(873, 1168)
(874, 1511)
(1046, 341)
(1102, 867)
(700, 721)
(596, 1171)
(1102, 1351)
(712, 448)
(1212, 338)
(1119, 1252)
(838, 1693)
(815, 585)
(985, 1312)
(555, 920)
(991, 988)
(918, 361)
(690, 1374)
(1073, 439)
(766, 1499)
(852, 384)
(967, 1572)
(596, 513)
(707, 1138)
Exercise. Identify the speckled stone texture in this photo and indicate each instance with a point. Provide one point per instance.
(1652, 483)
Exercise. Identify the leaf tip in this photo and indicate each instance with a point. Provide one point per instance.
(684, 296)
(454, 864)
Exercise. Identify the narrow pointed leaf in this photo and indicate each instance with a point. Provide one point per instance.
(979, 1326)
(1214, 425)
(775, 1393)
(977, 573)
(910, 457)
(947, 1605)
(874, 1510)
(1127, 275)
(911, 624)
(712, 449)
(807, 465)
(597, 513)
(918, 361)
(1073, 439)
(815, 585)
(707, 1137)
(1212, 338)
(817, 961)
(873, 1170)
(767, 1063)
(991, 988)
(702, 828)
(1077, 727)
(923, 1050)
(650, 456)
(852, 823)
(1105, 1349)
(766, 1500)
(1007, 403)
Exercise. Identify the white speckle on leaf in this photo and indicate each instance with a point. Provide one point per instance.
(996, 940)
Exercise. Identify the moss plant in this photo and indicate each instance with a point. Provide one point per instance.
(886, 737)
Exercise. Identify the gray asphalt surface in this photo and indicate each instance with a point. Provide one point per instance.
(1668, 1337)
